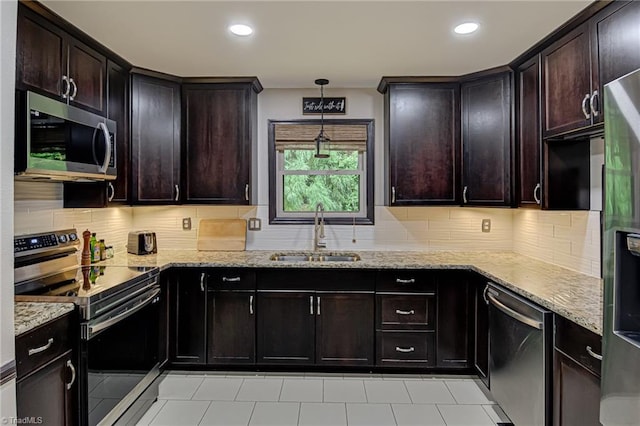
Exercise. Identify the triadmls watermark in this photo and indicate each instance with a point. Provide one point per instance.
(22, 420)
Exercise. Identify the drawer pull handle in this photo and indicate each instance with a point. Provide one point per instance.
(231, 280)
(401, 281)
(399, 312)
(41, 348)
(73, 374)
(405, 350)
(593, 354)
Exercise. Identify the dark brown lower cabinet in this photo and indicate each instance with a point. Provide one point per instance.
(576, 375)
(453, 321)
(231, 327)
(286, 327)
(45, 396)
(188, 304)
(481, 333)
(344, 328)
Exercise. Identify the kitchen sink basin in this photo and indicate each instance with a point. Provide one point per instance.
(315, 257)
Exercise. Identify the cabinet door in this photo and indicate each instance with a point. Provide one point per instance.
(615, 43)
(286, 327)
(344, 329)
(40, 56)
(576, 394)
(218, 135)
(566, 83)
(155, 140)
(118, 110)
(86, 72)
(188, 319)
(529, 185)
(424, 143)
(453, 326)
(486, 141)
(232, 327)
(481, 334)
(43, 394)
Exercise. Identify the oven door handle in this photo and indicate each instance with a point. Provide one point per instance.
(96, 328)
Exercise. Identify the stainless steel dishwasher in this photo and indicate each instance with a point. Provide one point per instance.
(520, 336)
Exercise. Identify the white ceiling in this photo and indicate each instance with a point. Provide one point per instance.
(352, 43)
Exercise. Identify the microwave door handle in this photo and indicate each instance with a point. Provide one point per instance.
(107, 148)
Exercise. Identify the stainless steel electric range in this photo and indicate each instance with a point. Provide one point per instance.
(120, 318)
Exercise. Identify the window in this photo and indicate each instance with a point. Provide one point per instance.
(343, 183)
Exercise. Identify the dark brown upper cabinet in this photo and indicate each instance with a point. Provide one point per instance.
(577, 66)
(529, 141)
(52, 62)
(422, 142)
(487, 140)
(615, 46)
(155, 140)
(219, 126)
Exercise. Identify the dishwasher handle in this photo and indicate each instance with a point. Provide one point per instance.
(514, 314)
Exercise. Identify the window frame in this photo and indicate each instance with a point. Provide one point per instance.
(333, 218)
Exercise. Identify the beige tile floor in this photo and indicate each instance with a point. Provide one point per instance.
(277, 399)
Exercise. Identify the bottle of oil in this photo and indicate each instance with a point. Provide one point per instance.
(95, 248)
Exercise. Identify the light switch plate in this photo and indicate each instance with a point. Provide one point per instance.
(186, 223)
(486, 225)
(254, 224)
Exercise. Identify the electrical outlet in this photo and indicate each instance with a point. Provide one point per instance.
(486, 225)
(254, 224)
(186, 223)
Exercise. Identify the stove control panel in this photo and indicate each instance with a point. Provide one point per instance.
(41, 242)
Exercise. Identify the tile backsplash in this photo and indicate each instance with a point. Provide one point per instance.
(568, 239)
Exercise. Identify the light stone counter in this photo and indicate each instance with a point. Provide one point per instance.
(29, 315)
(575, 296)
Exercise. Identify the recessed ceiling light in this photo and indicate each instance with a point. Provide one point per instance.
(466, 28)
(241, 30)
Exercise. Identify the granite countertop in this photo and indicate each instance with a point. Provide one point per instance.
(29, 315)
(575, 296)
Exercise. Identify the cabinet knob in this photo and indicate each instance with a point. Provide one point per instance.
(231, 279)
(177, 192)
(311, 305)
(250, 305)
(246, 192)
(202, 276)
(585, 103)
(112, 191)
(400, 312)
(464, 195)
(593, 354)
(405, 350)
(41, 348)
(393, 195)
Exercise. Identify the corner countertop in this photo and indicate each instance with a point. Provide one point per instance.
(29, 315)
(573, 295)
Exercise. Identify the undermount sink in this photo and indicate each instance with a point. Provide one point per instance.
(315, 257)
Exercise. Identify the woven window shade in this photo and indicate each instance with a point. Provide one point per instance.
(343, 137)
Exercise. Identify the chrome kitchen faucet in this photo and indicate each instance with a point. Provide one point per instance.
(318, 229)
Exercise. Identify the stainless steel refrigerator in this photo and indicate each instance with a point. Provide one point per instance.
(620, 398)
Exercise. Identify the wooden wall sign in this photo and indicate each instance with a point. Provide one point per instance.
(330, 105)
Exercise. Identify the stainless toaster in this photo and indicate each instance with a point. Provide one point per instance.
(142, 242)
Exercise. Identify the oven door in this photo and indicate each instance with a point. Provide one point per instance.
(119, 358)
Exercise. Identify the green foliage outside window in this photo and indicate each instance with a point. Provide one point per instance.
(337, 192)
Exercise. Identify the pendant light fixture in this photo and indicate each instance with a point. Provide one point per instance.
(322, 141)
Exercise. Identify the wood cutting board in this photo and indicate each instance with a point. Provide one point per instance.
(222, 234)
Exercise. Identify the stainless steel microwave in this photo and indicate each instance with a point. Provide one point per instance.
(61, 142)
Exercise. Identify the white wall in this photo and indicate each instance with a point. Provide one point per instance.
(8, 14)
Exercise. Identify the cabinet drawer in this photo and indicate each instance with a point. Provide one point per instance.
(406, 348)
(573, 340)
(406, 312)
(39, 346)
(231, 279)
(406, 281)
